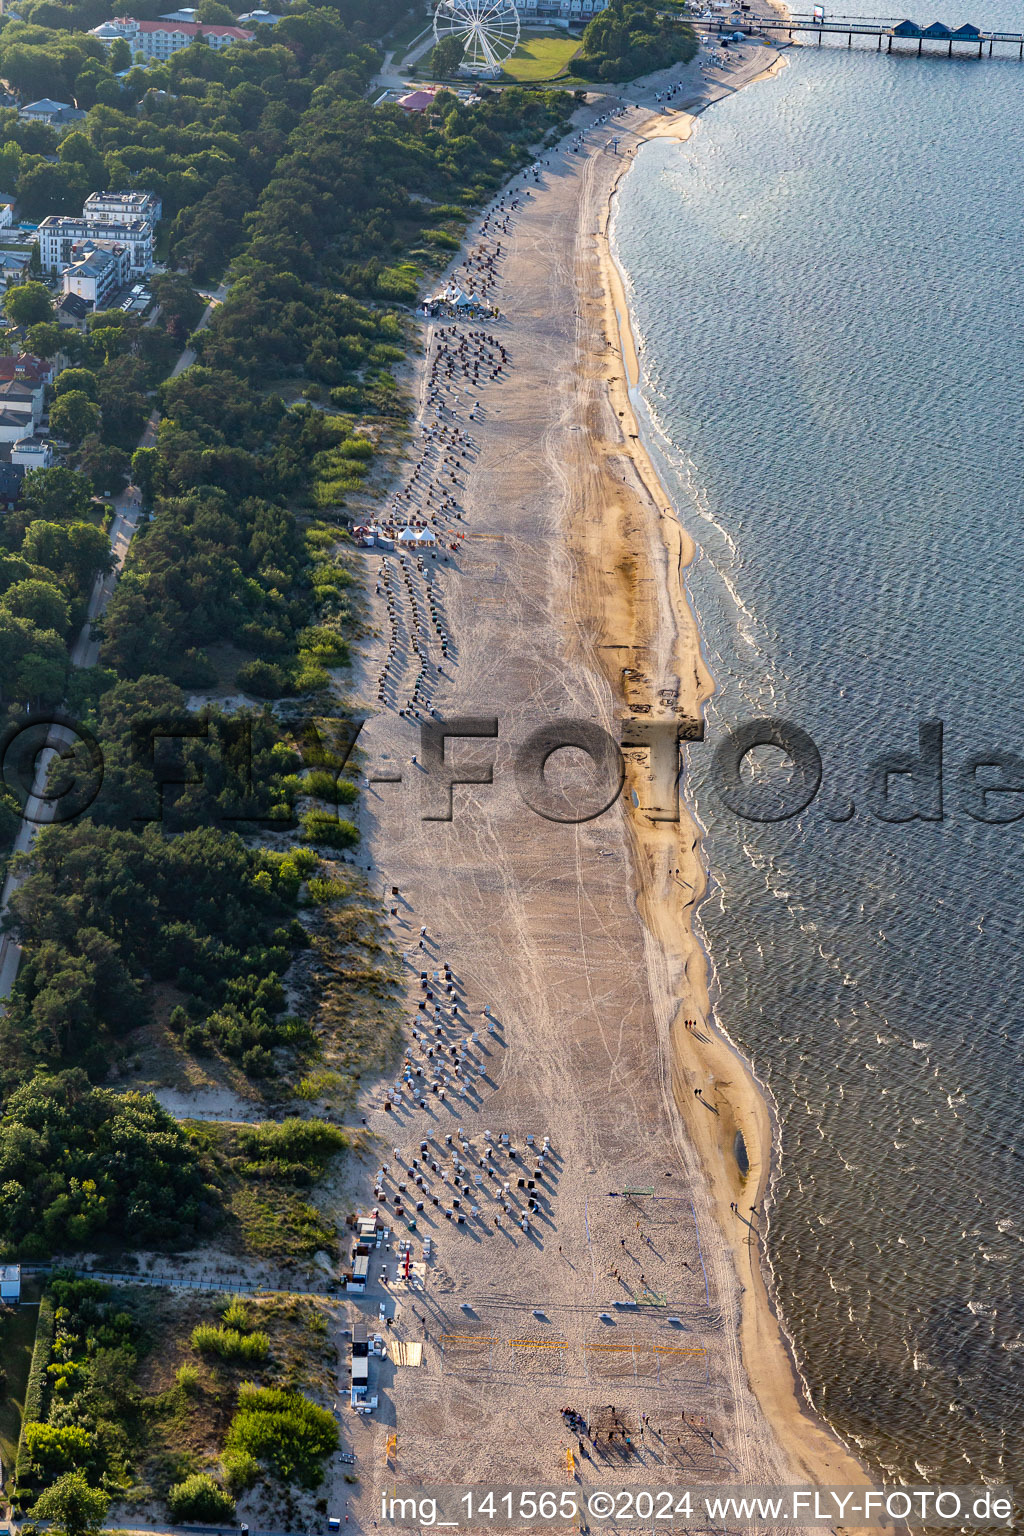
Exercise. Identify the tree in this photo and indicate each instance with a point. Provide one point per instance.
(199, 1498)
(446, 57)
(145, 464)
(89, 77)
(212, 11)
(76, 149)
(47, 338)
(49, 188)
(32, 71)
(120, 55)
(105, 465)
(76, 553)
(56, 494)
(285, 1430)
(109, 93)
(73, 415)
(43, 671)
(28, 304)
(630, 38)
(77, 378)
(40, 602)
(74, 1507)
(180, 305)
(91, 1160)
(124, 404)
(33, 662)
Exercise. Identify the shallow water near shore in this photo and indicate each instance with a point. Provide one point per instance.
(827, 288)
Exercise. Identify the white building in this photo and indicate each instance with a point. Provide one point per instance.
(14, 267)
(122, 208)
(96, 272)
(570, 13)
(56, 114)
(24, 402)
(6, 215)
(10, 1282)
(258, 18)
(58, 235)
(159, 39)
(32, 453)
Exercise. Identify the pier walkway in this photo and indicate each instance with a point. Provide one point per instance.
(966, 38)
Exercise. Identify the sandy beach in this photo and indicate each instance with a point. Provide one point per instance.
(635, 1293)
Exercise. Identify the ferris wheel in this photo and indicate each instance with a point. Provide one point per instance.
(487, 29)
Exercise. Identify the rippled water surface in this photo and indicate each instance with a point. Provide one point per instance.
(827, 283)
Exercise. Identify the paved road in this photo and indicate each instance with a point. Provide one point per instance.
(391, 77)
(38, 809)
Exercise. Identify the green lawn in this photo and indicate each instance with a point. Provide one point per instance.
(541, 58)
(17, 1336)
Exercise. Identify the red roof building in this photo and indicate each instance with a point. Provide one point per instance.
(417, 101)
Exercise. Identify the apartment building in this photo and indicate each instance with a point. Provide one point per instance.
(159, 39)
(96, 271)
(122, 208)
(58, 236)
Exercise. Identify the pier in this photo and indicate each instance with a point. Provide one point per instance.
(967, 38)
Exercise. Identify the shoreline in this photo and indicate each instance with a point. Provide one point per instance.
(745, 1106)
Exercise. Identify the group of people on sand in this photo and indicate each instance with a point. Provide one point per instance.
(393, 669)
(461, 363)
(576, 144)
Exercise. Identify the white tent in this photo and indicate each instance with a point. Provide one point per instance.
(408, 536)
(425, 536)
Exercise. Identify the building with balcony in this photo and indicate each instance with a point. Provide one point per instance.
(32, 453)
(122, 208)
(159, 39)
(567, 13)
(96, 272)
(58, 235)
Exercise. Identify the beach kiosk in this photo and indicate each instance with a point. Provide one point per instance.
(367, 1230)
(360, 1363)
